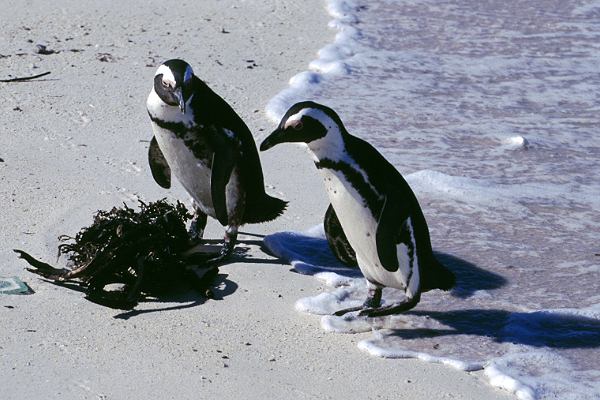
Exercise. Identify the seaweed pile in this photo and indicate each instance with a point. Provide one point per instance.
(145, 251)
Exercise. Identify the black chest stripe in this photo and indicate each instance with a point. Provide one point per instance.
(199, 146)
(178, 128)
(356, 179)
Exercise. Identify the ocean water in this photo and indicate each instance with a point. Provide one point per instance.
(491, 111)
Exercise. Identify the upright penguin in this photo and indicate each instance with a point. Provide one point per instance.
(210, 150)
(377, 210)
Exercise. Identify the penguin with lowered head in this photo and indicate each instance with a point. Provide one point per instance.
(201, 140)
(377, 210)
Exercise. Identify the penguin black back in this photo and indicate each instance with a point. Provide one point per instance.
(383, 174)
(213, 109)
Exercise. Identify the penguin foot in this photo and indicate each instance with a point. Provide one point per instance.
(345, 311)
(213, 258)
(370, 307)
(394, 308)
(222, 255)
(228, 244)
(371, 303)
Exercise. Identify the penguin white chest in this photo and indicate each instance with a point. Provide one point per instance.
(190, 155)
(192, 172)
(356, 218)
(360, 227)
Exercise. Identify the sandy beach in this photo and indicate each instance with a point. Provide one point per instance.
(76, 141)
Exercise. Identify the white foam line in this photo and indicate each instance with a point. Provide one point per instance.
(372, 348)
(504, 381)
(331, 61)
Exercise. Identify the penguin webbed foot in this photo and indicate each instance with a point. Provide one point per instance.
(371, 306)
(391, 309)
(228, 245)
(345, 311)
(371, 303)
(219, 256)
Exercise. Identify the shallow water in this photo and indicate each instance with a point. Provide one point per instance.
(491, 111)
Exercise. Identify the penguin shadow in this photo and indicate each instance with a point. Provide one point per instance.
(308, 255)
(537, 329)
(469, 277)
(312, 254)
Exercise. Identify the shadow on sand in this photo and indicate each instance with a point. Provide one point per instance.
(469, 277)
(187, 296)
(538, 328)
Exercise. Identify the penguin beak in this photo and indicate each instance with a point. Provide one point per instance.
(276, 137)
(178, 93)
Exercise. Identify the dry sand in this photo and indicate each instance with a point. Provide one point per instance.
(76, 142)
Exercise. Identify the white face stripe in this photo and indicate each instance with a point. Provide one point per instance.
(167, 74)
(329, 146)
(314, 113)
(292, 120)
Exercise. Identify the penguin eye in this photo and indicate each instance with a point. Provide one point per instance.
(165, 84)
(297, 125)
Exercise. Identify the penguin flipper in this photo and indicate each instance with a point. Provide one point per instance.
(391, 229)
(161, 172)
(336, 237)
(223, 162)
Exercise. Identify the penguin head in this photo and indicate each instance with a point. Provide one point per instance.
(307, 122)
(173, 81)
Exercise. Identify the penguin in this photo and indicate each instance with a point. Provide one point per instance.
(201, 140)
(377, 210)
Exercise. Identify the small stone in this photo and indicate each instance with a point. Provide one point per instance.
(43, 49)
(105, 57)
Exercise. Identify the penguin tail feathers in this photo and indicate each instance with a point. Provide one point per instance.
(265, 209)
(439, 277)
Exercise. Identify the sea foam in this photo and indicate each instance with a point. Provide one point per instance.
(331, 61)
